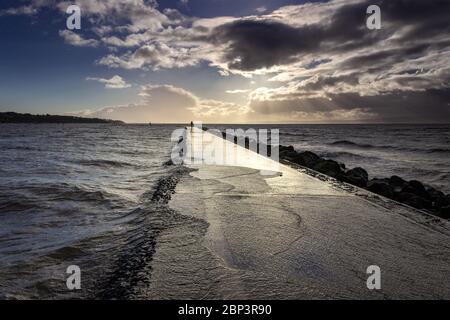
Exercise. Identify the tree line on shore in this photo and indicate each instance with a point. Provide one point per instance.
(14, 117)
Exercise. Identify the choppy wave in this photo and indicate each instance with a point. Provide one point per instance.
(66, 192)
(346, 154)
(24, 148)
(131, 270)
(351, 144)
(292, 134)
(58, 209)
(115, 265)
(17, 205)
(348, 143)
(438, 150)
(103, 163)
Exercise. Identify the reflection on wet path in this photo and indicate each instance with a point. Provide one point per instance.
(290, 236)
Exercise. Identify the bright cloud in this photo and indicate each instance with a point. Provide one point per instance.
(116, 82)
(261, 9)
(75, 39)
(321, 59)
(170, 104)
(237, 91)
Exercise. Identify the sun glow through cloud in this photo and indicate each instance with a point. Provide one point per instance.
(299, 62)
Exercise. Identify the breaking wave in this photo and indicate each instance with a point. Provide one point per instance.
(351, 144)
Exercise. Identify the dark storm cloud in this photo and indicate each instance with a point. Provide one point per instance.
(323, 81)
(255, 44)
(399, 106)
(258, 44)
(430, 105)
(399, 73)
(303, 60)
(427, 18)
(396, 106)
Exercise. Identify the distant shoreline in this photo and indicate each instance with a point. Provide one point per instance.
(14, 117)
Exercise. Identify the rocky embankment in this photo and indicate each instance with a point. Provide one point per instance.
(413, 193)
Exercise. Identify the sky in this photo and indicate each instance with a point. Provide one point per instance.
(228, 61)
